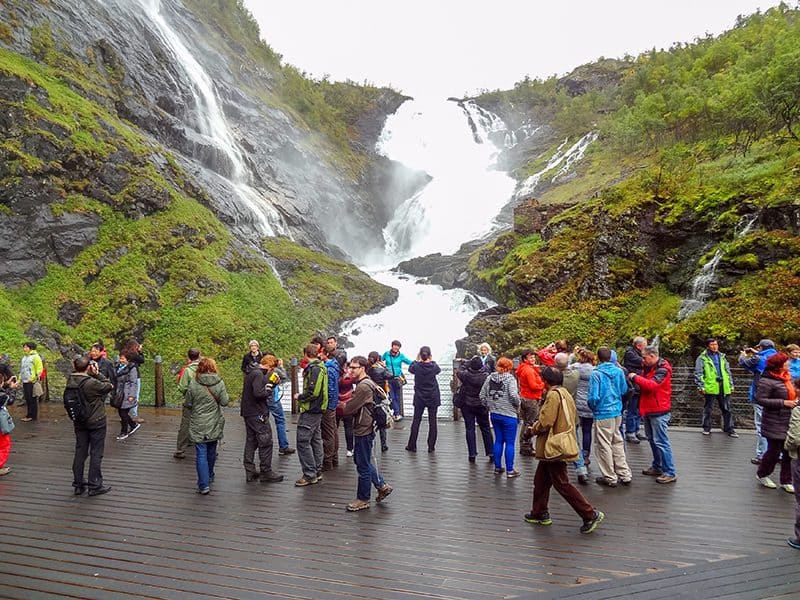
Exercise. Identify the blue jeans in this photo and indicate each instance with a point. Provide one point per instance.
(395, 396)
(580, 464)
(505, 437)
(761, 441)
(632, 419)
(367, 472)
(205, 454)
(276, 408)
(656, 430)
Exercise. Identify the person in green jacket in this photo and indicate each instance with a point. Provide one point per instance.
(186, 375)
(712, 374)
(30, 370)
(205, 397)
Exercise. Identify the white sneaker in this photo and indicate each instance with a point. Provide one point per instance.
(124, 436)
(766, 482)
(349, 453)
(135, 427)
(788, 488)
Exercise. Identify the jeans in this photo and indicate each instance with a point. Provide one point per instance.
(724, 402)
(761, 441)
(204, 461)
(774, 454)
(367, 472)
(258, 435)
(632, 419)
(656, 430)
(91, 443)
(505, 437)
(553, 474)
(395, 396)
(276, 408)
(586, 424)
(433, 430)
(126, 422)
(580, 464)
(309, 443)
(479, 415)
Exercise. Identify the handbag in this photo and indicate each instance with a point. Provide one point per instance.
(564, 445)
(458, 397)
(38, 391)
(401, 379)
(6, 422)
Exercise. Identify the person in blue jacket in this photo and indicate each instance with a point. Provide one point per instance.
(394, 360)
(755, 361)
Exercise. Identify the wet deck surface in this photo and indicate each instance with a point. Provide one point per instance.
(450, 530)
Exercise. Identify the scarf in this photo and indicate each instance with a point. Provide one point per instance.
(786, 377)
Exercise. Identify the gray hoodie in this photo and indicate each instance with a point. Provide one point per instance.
(503, 401)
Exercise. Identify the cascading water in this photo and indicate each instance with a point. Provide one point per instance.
(563, 158)
(466, 192)
(213, 125)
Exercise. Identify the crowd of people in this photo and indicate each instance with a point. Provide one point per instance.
(557, 405)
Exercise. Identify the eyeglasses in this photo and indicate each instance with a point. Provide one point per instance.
(354, 366)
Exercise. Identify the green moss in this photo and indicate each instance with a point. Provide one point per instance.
(6, 33)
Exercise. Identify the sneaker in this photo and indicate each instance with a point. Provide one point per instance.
(640, 436)
(733, 434)
(499, 471)
(755, 461)
(77, 490)
(5, 471)
(625, 481)
(590, 525)
(794, 543)
(383, 492)
(766, 482)
(632, 439)
(706, 432)
(26, 419)
(788, 488)
(252, 477)
(99, 491)
(583, 479)
(357, 505)
(122, 436)
(512, 474)
(398, 418)
(135, 427)
(606, 482)
(270, 478)
(304, 481)
(666, 479)
(286, 451)
(349, 453)
(542, 519)
(319, 476)
(179, 454)
(204, 491)
(651, 472)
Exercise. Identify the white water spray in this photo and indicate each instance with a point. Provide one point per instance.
(564, 159)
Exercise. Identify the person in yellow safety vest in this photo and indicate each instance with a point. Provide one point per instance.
(712, 373)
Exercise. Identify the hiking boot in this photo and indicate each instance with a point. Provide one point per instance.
(270, 478)
(319, 475)
(99, 491)
(78, 489)
(666, 479)
(542, 519)
(252, 477)
(179, 454)
(788, 488)
(606, 482)
(304, 481)
(410, 449)
(625, 481)
(651, 472)
(286, 451)
(471, 459)
(5, 471)
(513, 474)
(632, 439)
(583, 479)
(794, 543)
(357, 505)
(590, 525)
(383, 492)
(766, 482)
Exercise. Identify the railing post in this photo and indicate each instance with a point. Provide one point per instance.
(453, 387)
(293, 379)
(159, 381)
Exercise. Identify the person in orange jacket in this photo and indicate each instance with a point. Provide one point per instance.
(531, 387)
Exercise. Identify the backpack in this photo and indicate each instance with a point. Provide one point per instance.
(75, 403)
(381, 416)
(495, 388)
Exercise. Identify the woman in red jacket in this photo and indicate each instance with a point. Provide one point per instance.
(531, 387)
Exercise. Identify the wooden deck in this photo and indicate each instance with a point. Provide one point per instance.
(450, 530)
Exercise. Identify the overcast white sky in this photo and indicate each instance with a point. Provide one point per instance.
(449, 48)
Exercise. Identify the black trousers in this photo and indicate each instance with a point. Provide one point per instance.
(91, 442)
(31, 403)
(259, 436)
(432, 428)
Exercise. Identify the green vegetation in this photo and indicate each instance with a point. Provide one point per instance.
(691, 139)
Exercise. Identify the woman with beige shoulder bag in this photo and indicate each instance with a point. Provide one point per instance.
(556, 445)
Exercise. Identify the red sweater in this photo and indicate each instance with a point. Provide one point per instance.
(656, 388)
(531, 385)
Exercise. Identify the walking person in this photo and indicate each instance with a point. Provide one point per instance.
(360, 408)
(394, 361)
(427, 396)
(531, 387)
(90, 435)
(777, 395)
(500, 395)
(30, 370)
(557, 418)
(607, 386)
(256, 394)
(126, 393)
(312, 403)
(187, 373)
(713, 377)
(205, 396)
(792, 447)
(755, 361)
(380, 375)
(472, 409)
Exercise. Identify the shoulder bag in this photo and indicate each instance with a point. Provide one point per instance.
(564, 445)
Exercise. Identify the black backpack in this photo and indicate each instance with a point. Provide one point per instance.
(75, 403)
(381, 417)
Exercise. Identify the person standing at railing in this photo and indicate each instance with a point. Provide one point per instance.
(755, 361)
(712, 374)
(394, 361)
(427, 396)
(30, 370)
(472, 409)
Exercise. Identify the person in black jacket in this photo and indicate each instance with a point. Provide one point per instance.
(256, 393)
(472, 378)
(426, 396)
(253, 357)
(632, 363)
(378, 373)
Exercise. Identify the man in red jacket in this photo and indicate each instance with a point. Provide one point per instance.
(655, 404)
(530, 393)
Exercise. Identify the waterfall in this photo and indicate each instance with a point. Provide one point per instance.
(704, 280)
(214, 127)
(566, 159)
(487, 127)
(466, 192)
